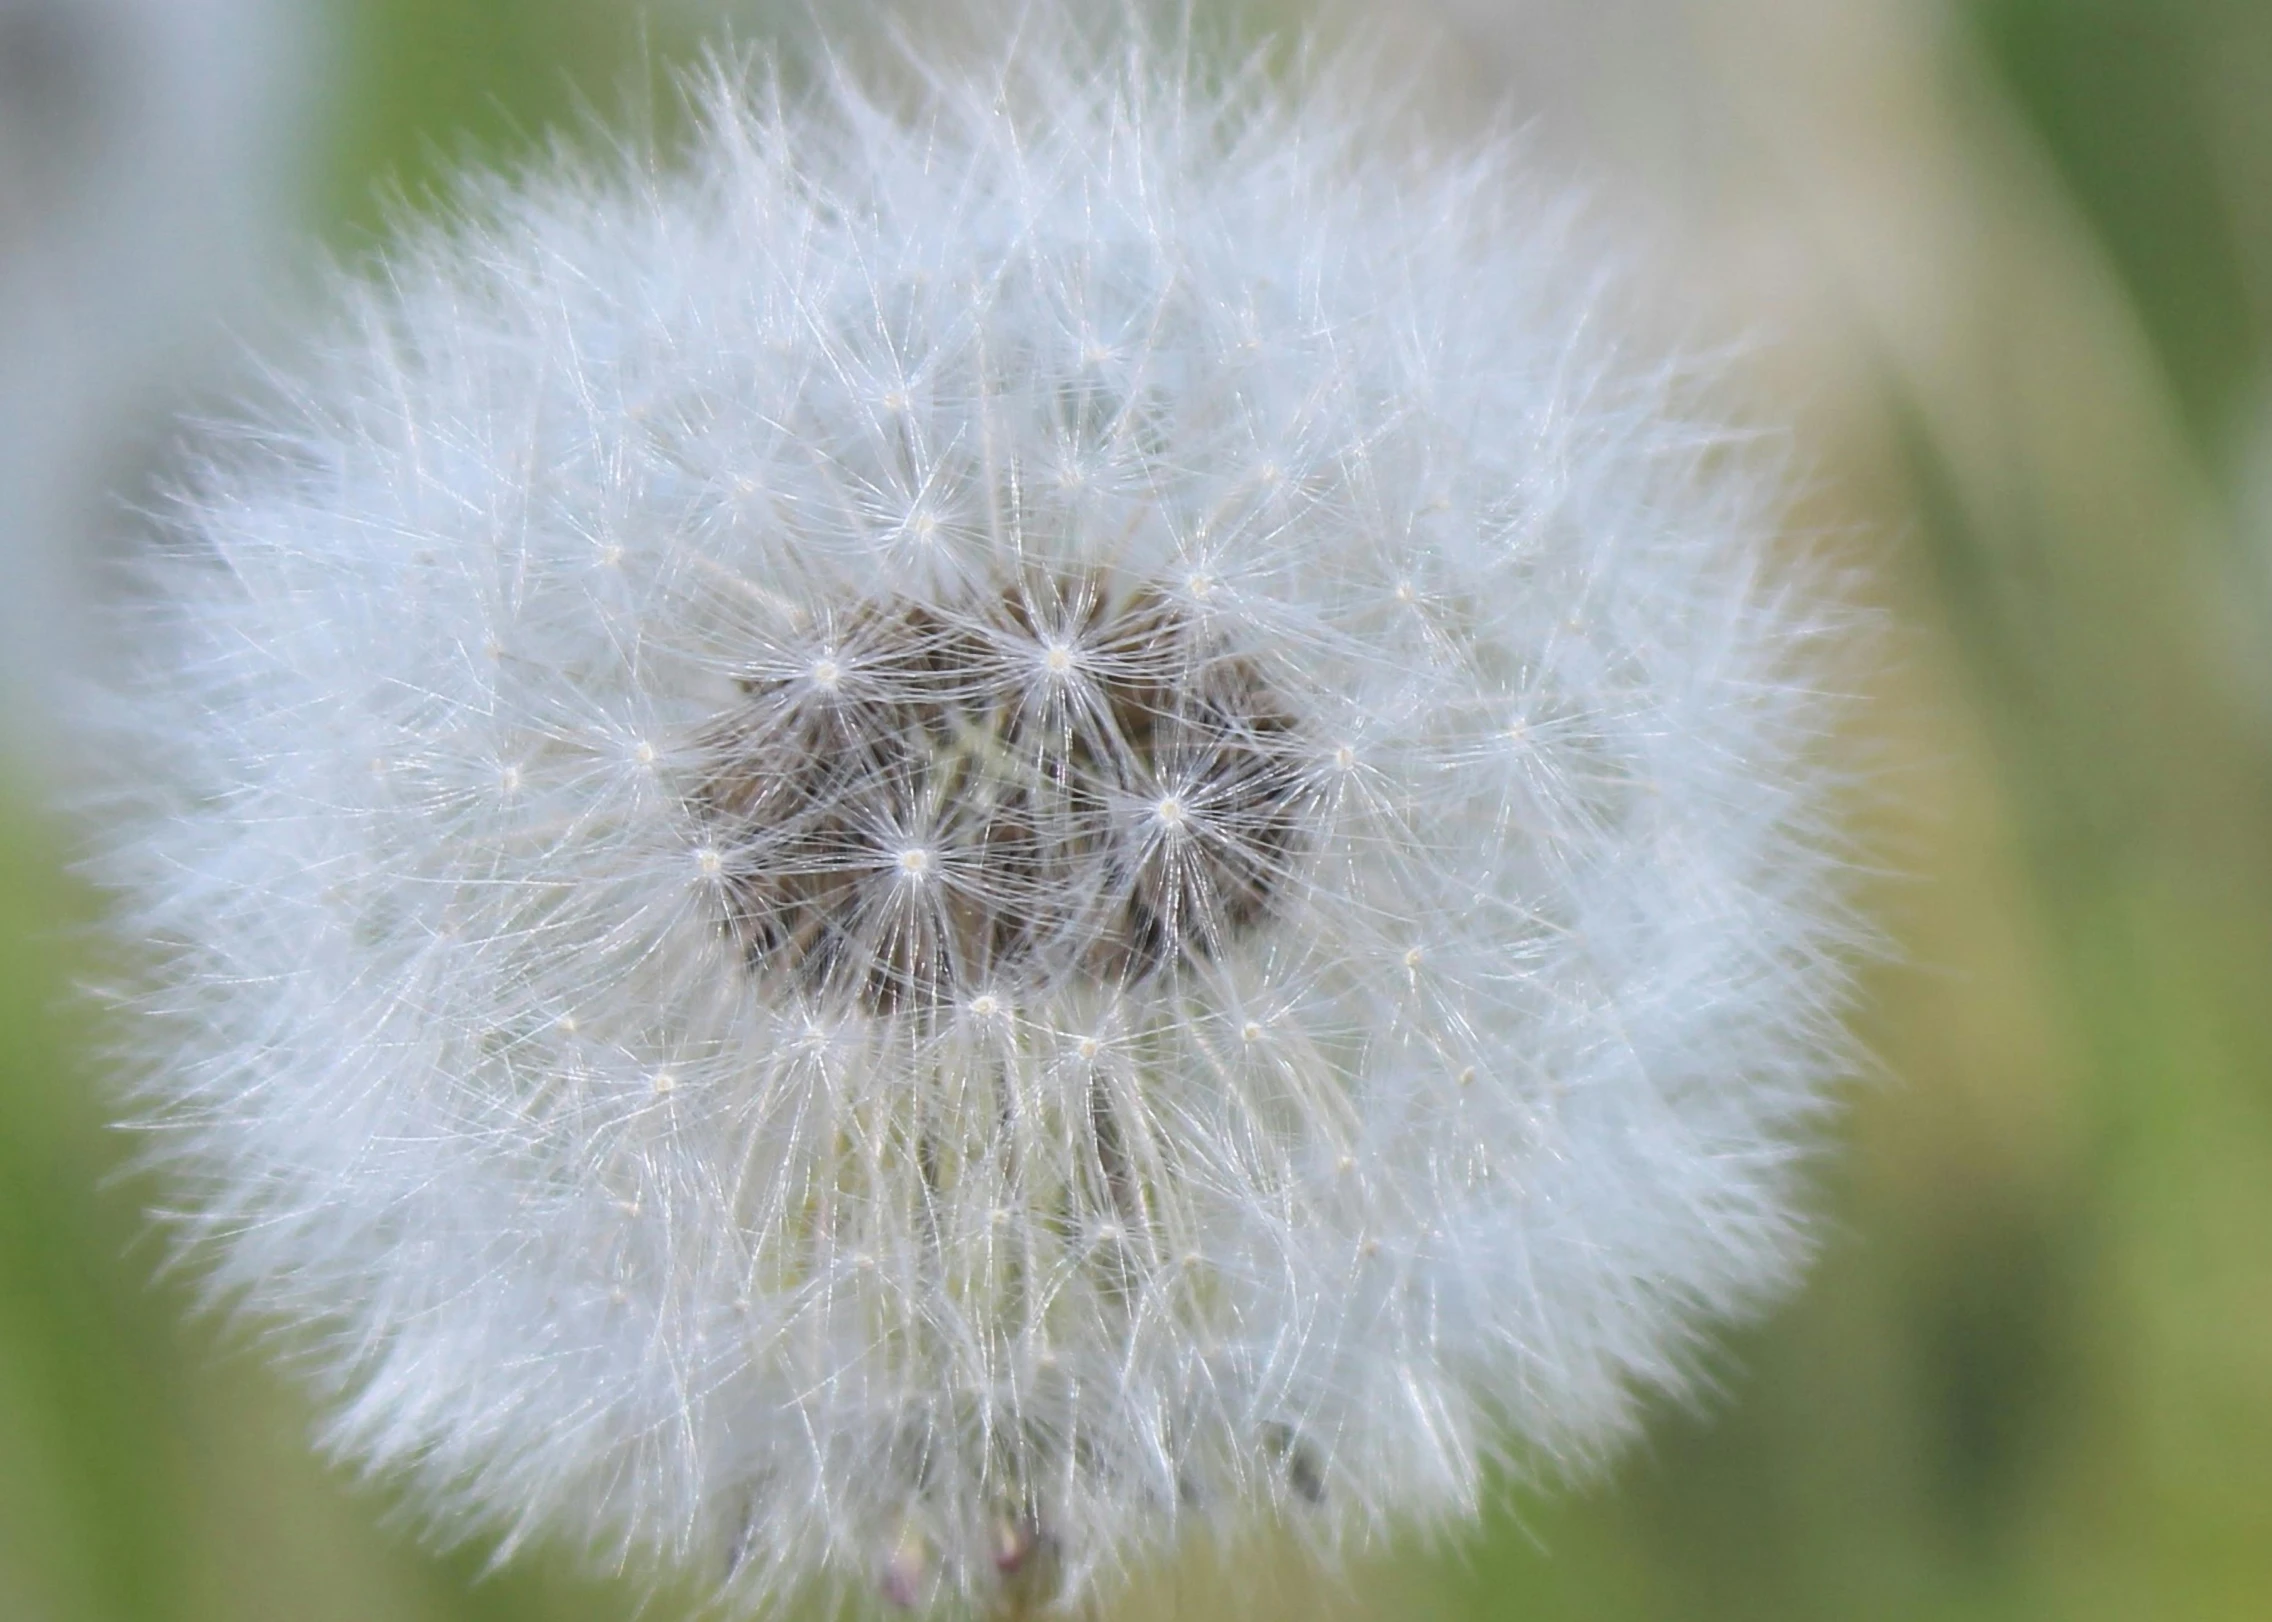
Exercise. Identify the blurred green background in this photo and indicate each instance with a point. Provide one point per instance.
(2011, 261)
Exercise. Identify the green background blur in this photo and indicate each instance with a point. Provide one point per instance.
(2025, 249)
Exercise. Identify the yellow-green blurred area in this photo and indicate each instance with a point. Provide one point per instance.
(2008, 264)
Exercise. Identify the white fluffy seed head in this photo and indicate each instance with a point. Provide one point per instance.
(979, 835)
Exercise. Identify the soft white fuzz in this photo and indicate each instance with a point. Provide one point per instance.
(982, 833)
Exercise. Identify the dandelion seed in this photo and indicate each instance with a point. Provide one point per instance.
(1051, 1016)
(906, 1575)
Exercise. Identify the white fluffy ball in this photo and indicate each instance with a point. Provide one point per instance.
(979, 833)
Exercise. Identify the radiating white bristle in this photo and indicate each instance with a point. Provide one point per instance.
(978, 835)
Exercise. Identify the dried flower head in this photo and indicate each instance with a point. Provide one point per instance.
(978, 834)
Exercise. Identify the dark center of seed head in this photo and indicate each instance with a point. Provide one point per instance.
(1047, 782)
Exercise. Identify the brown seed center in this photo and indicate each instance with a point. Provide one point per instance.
(1044, 782)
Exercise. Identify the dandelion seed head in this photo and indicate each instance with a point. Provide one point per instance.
(1015, 1006)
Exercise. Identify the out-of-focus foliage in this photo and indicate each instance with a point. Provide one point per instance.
(2012, 260)
(2158, 117)
(436, 85)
